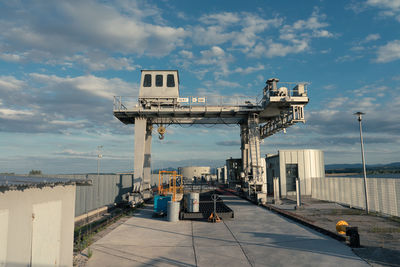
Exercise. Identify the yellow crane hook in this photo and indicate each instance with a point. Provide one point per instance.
(161, 131)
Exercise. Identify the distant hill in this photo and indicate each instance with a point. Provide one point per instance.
(359, 166)
(393, 167)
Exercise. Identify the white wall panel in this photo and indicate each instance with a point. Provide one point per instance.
(46, 233)
(3, 236)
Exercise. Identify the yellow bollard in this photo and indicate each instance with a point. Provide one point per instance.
(341, 227)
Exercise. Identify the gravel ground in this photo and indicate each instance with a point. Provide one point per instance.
(379, 235)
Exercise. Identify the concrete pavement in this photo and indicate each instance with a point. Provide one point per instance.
(255, 237)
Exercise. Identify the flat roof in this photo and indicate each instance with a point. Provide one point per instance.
(255, 237)
(18, 182)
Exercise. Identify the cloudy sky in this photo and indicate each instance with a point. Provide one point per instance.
(61, 63)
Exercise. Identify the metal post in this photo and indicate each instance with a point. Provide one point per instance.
(277, 199)
(298, 193)
(359, 115)
(99, 156)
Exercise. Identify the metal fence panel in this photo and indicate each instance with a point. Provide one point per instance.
(383, 193)
(105, 190)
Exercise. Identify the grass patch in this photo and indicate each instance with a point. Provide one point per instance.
(384, 230)
(395, 219)
(89, 253)
(345, 212)
(83, 235)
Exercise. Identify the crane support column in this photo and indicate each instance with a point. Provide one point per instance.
(147, 157)
(140, 141)
(244, 140)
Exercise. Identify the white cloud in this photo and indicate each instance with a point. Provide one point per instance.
(389, 8)
(294, 38)
(390, 4)
(240, 29)
(10, 83)
(279, 49)
(102, 87)
(98, 62)
(38, 30)
(227, 83)
(372, 37)
(55, 104)
(12, 114)
(224, 18)
(211, 35)
(11, 57)
(348, 58)
(378, 120)
(69, 123)
(186, 54)
(329, 87)
(217, 57)
(322, 34)
(389, 52)
(249, 69)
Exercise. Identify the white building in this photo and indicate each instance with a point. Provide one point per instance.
(191, 172)
(222, 175)
(37, 221)
(290, 164)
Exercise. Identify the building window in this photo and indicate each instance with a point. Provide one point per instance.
(147, 80)
(170, 80)
(159, 80)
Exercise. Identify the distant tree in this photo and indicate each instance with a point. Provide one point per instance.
(35, 172)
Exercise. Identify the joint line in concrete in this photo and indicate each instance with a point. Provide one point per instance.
(194, 248)
(240, 245)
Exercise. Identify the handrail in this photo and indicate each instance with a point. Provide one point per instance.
(125, 102)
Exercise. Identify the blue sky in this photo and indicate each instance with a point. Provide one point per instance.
(61, 63)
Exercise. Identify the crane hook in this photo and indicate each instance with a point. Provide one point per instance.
(161, 131)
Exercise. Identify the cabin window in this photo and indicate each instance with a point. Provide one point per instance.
(170, 80)
(159, 80)
(147, 80)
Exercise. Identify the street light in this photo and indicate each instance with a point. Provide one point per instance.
(359, 116)
(99, 156)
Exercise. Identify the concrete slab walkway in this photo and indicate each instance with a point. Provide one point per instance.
(255, 237)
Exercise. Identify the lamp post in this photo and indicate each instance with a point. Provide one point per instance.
(99, 156)
(359, 117)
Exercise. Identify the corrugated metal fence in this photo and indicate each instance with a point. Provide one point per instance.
(105, 190)
(383, 193)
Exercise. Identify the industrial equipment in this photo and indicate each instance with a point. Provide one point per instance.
(160, 103)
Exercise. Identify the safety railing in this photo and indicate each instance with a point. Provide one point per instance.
(122, 103)
(299, 90)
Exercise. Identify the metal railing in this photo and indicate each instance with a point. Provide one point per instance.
(122, 103)
(283, 91)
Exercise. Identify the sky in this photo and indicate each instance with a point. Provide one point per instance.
(62, 62)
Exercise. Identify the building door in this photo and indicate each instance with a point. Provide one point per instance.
(291, 175)
(46, 233)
